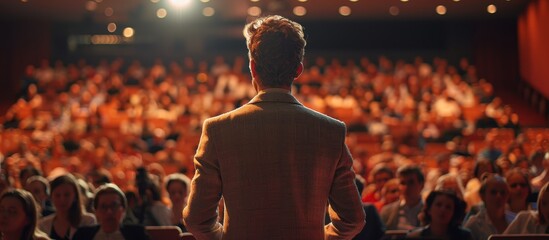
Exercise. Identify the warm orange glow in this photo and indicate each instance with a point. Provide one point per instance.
(394, 10)
(208, 11)
(91, 6)
(111, 27)
(441, 9)
(345, 11)
(254, 11)
(128, 32)
(491, 9)
(109, 11)
(300, 11)
(161, 13)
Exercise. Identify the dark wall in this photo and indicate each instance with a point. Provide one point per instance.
(23, 42)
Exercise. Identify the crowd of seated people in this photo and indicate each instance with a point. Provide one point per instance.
(131, 125)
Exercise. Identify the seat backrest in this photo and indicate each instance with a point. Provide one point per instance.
(518, 237)
(163, 232)
(187, 236)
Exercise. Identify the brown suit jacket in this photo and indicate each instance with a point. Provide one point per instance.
(276, 164)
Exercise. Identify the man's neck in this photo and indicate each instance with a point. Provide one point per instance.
(412, 201)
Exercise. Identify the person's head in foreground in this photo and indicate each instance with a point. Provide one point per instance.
(276, 47)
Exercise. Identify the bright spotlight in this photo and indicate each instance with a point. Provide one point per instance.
(128, 32)
(180, 3)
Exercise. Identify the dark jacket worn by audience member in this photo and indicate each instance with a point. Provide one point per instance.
(129, 232)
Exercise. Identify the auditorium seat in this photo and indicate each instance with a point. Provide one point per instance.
(164, 232)
(519, 237)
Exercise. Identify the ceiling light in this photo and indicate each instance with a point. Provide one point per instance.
(24, 1)
(456, 0)
(491, 9)
(155, 1)
(300, 11)
(302, 0)
(204, 1)
(208, 11)
(394, 10)
(180, 3)
(353, 0)
(344, 11)
(161, 13)
(254, 11)
(128, 32)
(441, 9)
(111, 27)
(109, 11)
(254, 0)
(91, 6)
(404, 0)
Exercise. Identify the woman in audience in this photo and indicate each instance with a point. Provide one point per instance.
(389, 193)
(40, 189)
(443, 214)
(18, 216)
(379, 175)
(110, 205)
(519, 190)
(533, 222)
(482, 166)
(178, 187)
(151, 211)
(70, 214)
(491, 218)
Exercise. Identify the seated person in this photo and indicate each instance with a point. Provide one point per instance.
(443, 214)
(491, 219)
(530, 221)
(19, 216)
(110, 204)
(403, 214)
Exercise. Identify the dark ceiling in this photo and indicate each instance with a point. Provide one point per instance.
(230, 10)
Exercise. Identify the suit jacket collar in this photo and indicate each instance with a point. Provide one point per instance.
(274, 95)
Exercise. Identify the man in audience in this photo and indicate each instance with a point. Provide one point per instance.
(275, 162)
(404, 214)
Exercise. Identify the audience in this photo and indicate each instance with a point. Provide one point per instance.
(105, 121)
(19, 216)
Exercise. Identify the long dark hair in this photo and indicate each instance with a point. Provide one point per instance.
(76, 209)
(459, 208)
(29, 206)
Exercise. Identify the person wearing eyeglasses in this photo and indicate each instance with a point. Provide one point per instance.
(533, 222)
(491, 219)
(110, 206)
(519, 192)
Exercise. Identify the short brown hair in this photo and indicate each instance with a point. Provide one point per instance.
(277, 45)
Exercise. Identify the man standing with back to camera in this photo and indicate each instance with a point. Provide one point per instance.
(275, 162)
